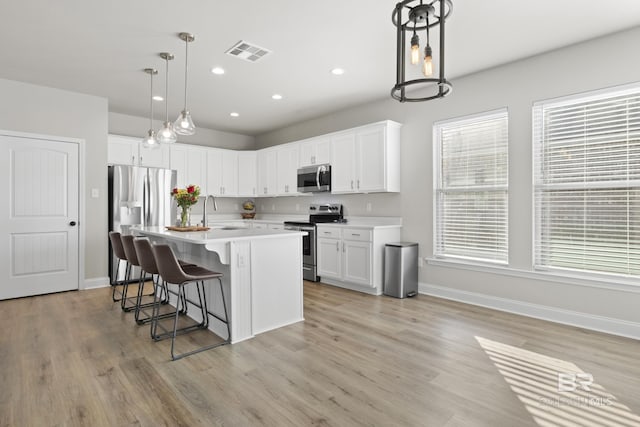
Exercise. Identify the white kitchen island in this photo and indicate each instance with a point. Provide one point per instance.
(262, 274)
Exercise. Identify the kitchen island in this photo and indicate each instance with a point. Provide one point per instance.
(262, 274)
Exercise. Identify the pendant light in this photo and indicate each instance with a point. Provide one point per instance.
(411, 16)
(150, 141)
(184, 124)
(166, 135)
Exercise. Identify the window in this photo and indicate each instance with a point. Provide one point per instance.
(587, 182)
(471, 194)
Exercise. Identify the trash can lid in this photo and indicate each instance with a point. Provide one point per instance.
(402, 244)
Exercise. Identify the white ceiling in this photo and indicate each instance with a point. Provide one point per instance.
(100, 48)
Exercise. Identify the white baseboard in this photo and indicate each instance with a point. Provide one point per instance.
(583, 320)
(96, 282)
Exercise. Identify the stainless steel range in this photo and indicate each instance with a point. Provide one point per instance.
(318, 213)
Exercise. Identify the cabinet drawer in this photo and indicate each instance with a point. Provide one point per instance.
(332, 233)
(356, 234)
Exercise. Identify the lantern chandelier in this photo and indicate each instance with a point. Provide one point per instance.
(414, 16)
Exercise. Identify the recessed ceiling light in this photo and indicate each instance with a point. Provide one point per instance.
(276, 96)
(217, 70)
(158, 98)
(234, 114)
(337, 71)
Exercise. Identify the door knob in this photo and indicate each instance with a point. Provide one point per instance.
(72, 223)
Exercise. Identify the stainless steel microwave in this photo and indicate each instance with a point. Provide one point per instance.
(314, 179)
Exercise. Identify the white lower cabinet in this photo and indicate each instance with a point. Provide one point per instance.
(352, 258)
(345, 254)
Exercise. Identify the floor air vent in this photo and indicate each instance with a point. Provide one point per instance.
(248, 51)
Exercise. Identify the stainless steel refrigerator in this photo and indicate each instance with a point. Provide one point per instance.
(138, 196)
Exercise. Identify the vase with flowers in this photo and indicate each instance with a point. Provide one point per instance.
(185, 198)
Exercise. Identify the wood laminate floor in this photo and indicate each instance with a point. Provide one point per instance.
(75, 359)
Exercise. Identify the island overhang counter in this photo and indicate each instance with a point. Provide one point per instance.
(262, 274)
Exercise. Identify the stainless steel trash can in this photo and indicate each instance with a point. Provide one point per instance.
(400, 269)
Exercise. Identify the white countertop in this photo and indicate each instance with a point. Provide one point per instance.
(216, 235)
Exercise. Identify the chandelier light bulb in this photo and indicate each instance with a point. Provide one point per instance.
(427, 64)
(415, 49)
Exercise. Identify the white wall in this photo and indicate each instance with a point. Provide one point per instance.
(122, 124)
(599, 63)
(41, 110)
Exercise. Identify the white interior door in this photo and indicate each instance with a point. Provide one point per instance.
(39, 216)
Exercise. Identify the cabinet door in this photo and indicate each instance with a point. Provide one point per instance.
(329, 257)
(357, 262)
(267, 170)
(214, 171)
(343, 150)
(190, 162)
(178, 162)
(229, 173)
(287, 170)
(322, 150)
(247, 173)
(370, 160)
(154, 157)
(307, 153)
(122, 150)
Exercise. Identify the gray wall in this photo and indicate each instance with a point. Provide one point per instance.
(599, 63)
(122, 124)
(41, 110)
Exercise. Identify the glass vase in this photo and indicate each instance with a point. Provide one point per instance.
(185, 216)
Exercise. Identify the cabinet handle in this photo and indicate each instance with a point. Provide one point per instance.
(133, 160)
(343, 247)
(326, 232)
(313, 160)
(352, 184)
(354, 234)
(338, 246)
(140, 159)
(358, 184)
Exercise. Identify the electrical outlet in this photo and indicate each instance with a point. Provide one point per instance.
(420, 262)
(273, 207)
(297, 207)
(95, 193)
(368, 206)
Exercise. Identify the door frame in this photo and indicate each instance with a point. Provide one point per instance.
(81, 189)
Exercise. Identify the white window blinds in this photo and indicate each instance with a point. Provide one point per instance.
(587, 182)
(471, 194)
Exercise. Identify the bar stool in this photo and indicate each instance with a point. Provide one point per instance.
(148, 265)
(132, 257)
(118, 250)
(173, 273)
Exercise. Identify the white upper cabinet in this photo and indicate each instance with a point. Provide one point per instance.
(222, 172)
(127, 150)
(267, 172)
(190, 161)
(287, 167)
(315, 151)
(366, 159)
(247, 173)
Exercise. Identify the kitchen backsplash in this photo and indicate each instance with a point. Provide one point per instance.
(374, 204)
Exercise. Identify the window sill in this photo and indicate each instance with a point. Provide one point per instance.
(614, 283)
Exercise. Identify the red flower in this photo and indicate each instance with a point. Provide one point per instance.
(191, 189)
(174, 191)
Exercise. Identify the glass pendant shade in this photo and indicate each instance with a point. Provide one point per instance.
(184, 124)
(166, 135)
(150, 141)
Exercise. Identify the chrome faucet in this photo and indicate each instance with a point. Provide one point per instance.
(204, 210)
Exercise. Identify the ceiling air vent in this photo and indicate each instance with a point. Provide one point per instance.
(247, 51)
